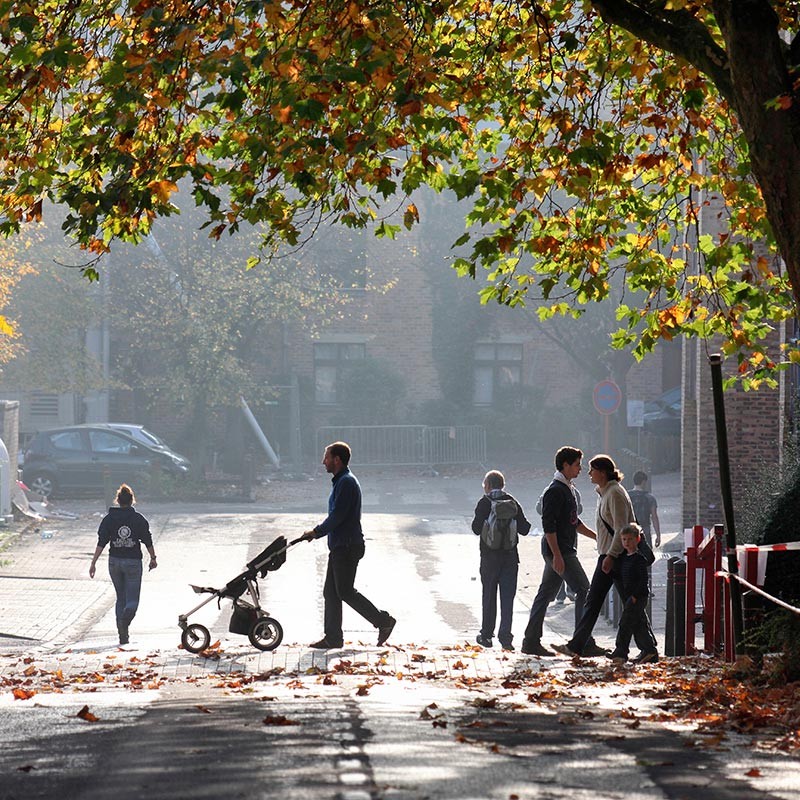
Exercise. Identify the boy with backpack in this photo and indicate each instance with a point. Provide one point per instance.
(499, 521)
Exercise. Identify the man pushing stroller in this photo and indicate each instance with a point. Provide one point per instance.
(342, 526)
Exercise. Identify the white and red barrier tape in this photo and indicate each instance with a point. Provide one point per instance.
(769, 547)
(727, 576)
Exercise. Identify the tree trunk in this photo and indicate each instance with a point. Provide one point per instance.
(758, 64)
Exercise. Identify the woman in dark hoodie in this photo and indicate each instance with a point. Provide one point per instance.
(124, 530)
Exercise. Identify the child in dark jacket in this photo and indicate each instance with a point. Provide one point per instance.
(634, 573)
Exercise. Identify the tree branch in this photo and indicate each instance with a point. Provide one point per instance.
(677, 32)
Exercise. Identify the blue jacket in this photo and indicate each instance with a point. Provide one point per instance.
(343, 523)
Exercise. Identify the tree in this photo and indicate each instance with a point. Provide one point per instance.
(195, 330)
(53, 310)
(590, 136)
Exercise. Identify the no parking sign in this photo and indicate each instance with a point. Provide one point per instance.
(607, 397)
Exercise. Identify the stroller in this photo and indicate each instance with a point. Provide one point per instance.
(248, 618)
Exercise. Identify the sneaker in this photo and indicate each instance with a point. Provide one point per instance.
(566, 650)
(536, 649)
(593, 650)
(646, 658)
(385, 630)
(325, 644)
(484, 641)
(508, 647)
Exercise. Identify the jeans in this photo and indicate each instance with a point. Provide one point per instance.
(339, 580)
(499, 569)
(126, 575)
(574, 577)
(634, 615)
(600, 587)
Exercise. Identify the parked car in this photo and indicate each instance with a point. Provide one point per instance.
(662, 416)
(75, 458)
(141, 434)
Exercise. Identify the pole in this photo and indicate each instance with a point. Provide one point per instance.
(715, 360)
(606, 433)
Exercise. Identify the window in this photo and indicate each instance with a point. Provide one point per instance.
(497, 365)
(329, 360)
(68, 440)
(103, 442)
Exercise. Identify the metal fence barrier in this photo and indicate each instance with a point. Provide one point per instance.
(409, 445)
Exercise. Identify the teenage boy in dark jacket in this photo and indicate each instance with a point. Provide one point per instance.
(561, 525)
(499, 568)
(635, 581)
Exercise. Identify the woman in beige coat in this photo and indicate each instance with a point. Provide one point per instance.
(614, 512)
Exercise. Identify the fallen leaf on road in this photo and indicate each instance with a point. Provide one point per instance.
(203, 709)
(87, 715)
(753, 773)
(279, 719)
(23, 694)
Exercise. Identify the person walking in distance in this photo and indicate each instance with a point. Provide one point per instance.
(645, 508)
(634, 578)
(614, 512)
(342, 527)
(498, 520)
(124, 530)
(561, 525)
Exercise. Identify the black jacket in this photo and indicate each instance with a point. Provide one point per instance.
(633, 571)
(124, 530)
(560, 516)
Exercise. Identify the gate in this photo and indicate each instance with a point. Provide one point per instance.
(409, 445)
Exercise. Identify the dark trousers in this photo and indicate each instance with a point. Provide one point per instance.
(339, 580)
(573, 576)
(499, 571)
(599, 588)
(634, 616)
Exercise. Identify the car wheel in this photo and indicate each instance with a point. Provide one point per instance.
(42, 483)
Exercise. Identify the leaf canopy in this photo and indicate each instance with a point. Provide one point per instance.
(591, 139)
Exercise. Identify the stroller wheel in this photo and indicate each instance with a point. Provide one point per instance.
(266, 633)
(195, 638)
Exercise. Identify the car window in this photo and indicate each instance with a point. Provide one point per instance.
(67, 440)
(103, 442)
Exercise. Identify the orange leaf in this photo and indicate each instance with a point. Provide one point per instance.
(753, 773)
(23, 694)
(87, 715)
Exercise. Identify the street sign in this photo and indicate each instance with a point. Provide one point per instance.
(635, 413)
(607, 397)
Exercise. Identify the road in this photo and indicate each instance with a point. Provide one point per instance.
(432, 715)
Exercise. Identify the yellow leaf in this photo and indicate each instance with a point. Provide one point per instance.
(162, 189)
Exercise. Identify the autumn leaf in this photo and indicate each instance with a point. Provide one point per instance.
(278, 719)
(87, 715)
(23, 694)
(163, 190)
